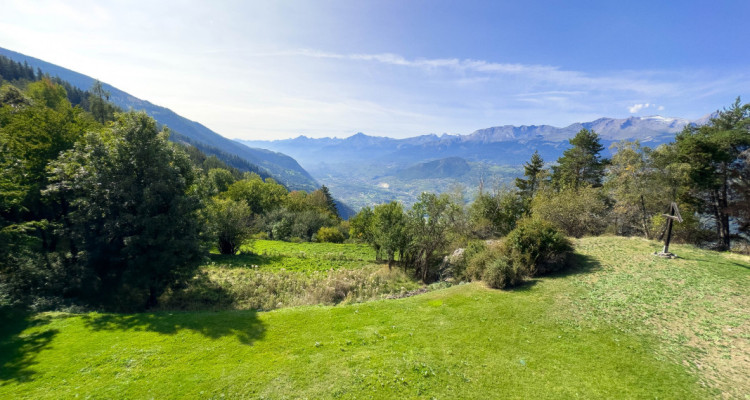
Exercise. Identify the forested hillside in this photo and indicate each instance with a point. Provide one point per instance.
(282, 167)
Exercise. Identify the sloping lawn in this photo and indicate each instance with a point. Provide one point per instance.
(697, 305)
(588, 334)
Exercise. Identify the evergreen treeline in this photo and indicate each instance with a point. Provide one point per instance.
(21, 74)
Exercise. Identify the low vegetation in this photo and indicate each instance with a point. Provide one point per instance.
(100, 213)
(271, 274)
(621, 324)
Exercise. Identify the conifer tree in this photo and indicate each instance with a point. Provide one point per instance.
(582, 164)
(533, 171)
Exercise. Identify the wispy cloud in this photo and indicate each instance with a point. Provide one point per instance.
(642, 82)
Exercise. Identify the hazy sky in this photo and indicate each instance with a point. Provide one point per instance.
(278, 69)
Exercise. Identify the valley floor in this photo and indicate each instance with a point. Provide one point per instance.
(624, 324)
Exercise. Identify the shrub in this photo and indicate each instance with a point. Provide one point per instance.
(537, 246)
(577, 212)
(503, 272)
(476, 257)
(495, 215)
(330, 235)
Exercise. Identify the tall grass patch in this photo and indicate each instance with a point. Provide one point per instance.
(224, 287)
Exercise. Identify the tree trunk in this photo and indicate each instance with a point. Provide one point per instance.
(645, 218)
(722, 220)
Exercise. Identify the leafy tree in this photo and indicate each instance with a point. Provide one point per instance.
(577, 212)
(306, 223)
(389, 224)
(229, 222)
(494, 215)
(632, 182)
(361, 228)
(11, 96)
(296, 201)
(712, 153)
(220, 179)
(741, 186)
(260, 196)
(32, 134)
(582, 164)
(130, 212)
(429, 222)
(49, 94)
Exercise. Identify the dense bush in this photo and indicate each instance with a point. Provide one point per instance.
(577, 212)
(494, 215)
(503, 272)
(330, 235)
(534, 247)
(476, 257)
(537, 246)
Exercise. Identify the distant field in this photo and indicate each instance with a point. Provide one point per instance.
(271, 255)
(624, 324)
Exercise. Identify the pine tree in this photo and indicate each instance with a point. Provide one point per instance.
(582, 164)
(533, 171)
(330, 202)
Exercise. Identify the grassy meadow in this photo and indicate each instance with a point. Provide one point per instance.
(622, 324)
(267, 275)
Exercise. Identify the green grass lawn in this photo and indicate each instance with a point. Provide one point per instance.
(271, 255)
(623, 325)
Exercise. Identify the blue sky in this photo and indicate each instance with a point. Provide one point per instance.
(278, 69)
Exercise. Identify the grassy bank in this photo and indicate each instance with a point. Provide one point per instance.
(610, 329)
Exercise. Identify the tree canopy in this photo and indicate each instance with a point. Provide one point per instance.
(582, 164)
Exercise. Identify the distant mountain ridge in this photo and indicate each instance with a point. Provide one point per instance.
(280, 166)
(507, 144)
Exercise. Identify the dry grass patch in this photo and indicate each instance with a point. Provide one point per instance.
(697, 304)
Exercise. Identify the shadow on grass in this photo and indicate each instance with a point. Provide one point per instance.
(579, 264)
(18, 350)
(244, 325)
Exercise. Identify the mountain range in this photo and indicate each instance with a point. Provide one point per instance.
(503, 145)
(365, 170)
(281, 167)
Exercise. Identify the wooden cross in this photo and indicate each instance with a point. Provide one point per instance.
(674, 215)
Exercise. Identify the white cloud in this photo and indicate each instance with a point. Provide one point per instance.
(638, 107)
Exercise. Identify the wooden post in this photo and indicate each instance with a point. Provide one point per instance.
(669, 231)
(674, 215)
